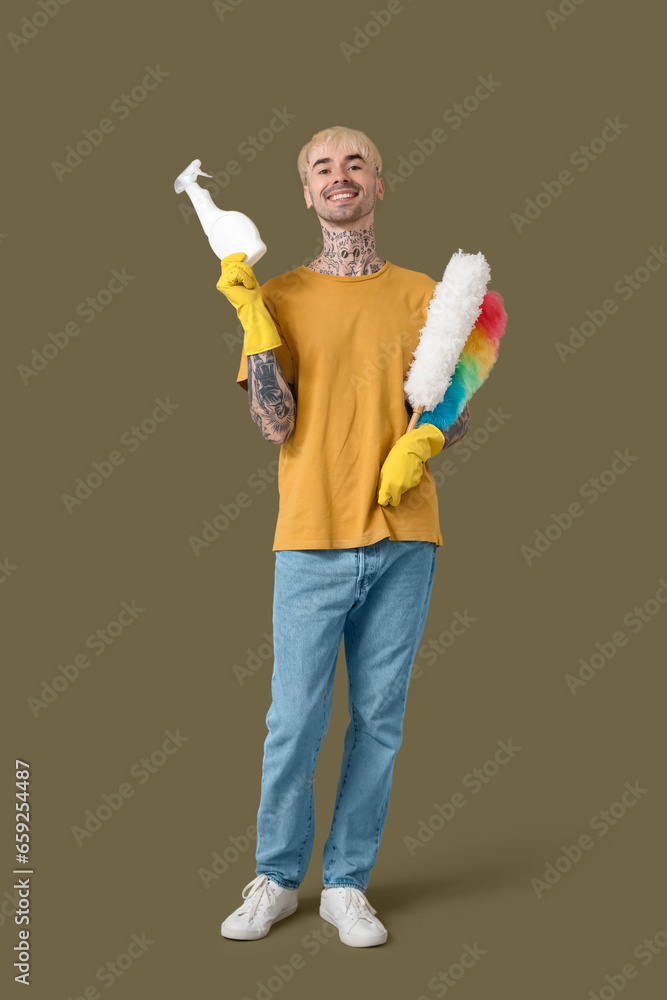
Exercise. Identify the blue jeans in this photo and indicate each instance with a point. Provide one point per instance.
(376, 597)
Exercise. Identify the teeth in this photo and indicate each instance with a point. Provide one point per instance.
(340, 197)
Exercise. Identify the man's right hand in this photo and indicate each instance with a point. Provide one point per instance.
(237, 281)
(240, 286)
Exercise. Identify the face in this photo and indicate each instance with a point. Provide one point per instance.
(332, 170)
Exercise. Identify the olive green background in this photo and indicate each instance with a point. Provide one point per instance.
(169, 334)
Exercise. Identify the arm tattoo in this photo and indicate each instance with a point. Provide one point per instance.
(272, 399)
(455, 431)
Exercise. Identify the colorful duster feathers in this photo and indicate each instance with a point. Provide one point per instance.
(452, 312)
(475, 362)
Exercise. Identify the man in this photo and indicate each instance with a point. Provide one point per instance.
(326, 350)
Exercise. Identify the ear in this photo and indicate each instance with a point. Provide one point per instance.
(306, 194)
(380, 191)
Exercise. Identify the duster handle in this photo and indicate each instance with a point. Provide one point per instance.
(416, 414)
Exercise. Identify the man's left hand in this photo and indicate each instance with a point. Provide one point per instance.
(403, 467)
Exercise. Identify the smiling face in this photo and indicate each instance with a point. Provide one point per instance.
(342, 187)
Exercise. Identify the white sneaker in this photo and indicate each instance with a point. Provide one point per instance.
(347, 908)
(266, 902)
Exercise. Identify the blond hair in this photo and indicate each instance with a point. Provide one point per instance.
(351, 139)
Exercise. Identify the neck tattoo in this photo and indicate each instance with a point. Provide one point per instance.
(350, 252)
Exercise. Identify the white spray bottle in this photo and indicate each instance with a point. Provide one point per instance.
(228, 232)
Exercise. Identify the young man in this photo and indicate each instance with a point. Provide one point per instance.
(326, 350)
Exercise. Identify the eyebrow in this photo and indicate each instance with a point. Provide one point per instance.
(350, 156)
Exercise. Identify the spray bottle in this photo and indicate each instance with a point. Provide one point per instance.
(228, 232)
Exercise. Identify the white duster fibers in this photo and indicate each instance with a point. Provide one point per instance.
(452, 312)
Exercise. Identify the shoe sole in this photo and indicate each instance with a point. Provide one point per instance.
(238, 936)
(351, 940)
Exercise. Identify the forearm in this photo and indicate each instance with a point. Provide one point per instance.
(271, 398)
(460, 426)
(455, 431)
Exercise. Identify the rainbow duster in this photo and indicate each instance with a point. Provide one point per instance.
(474, 365)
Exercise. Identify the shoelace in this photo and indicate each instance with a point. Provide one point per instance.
(357, 904)
(258, 888)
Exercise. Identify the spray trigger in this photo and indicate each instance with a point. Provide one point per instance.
(189, 176)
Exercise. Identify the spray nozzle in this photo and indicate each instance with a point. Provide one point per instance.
(189, 176)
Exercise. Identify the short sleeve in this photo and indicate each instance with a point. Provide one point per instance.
(283, 354)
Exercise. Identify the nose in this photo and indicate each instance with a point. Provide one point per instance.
(339, 176)
(341, 182)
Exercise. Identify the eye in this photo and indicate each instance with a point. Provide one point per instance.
(353, 166)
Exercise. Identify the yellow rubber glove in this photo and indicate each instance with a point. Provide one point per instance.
(240, 286)
(403, 467)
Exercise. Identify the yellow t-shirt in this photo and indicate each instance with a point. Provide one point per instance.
(347, 344)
